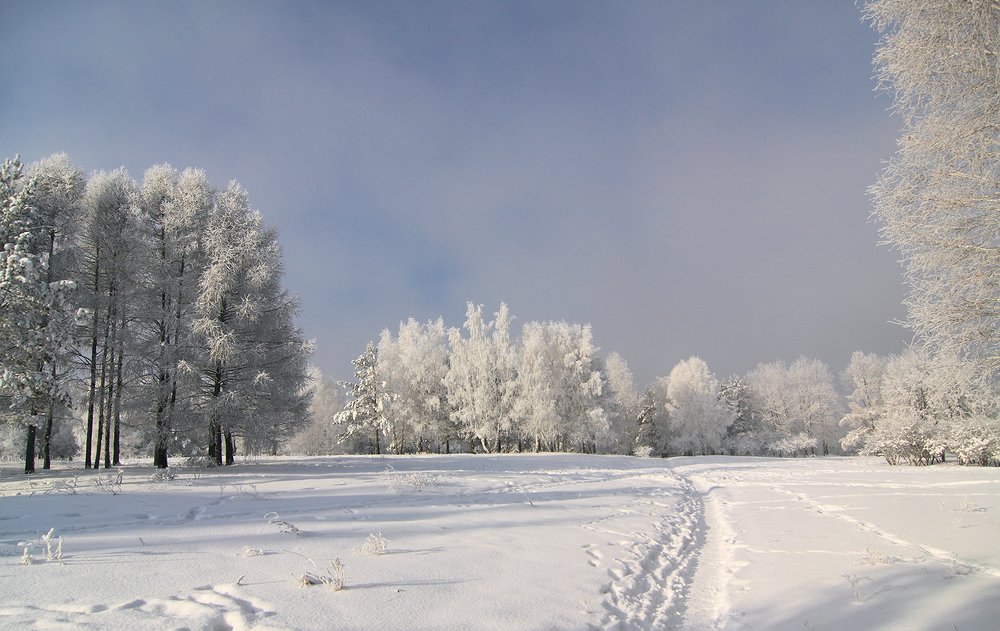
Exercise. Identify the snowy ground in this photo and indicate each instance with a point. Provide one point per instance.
(510, 542)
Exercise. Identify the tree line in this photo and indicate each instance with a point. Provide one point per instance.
(151, 313)
(429, 388)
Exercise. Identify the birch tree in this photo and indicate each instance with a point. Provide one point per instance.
(699, 416)
(481, 379)
(938, 200)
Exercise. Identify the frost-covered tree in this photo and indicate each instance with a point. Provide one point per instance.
(916, 408)
(55, 192)
(253, 360)
(699, 416)
(863, 380)
(563, 403)
(797, 403)
(35, 315)
(626, 402)
(110, 279)
(938, 200)
(746, 436)
(923, 400)
(414, 366)
(652, 421)
(366, 412)
(322, 436)
(175, 209)
(482, 378)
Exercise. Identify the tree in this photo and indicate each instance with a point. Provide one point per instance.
(626, 401)
(699, 415)
(56, 191)
(276, 359)
(110, 280)
(252, 360)
(863, 380)
(797, 403)
(938, 200)
(322, 436)
(746, 436)
(482, 377)
(174, 209)
(651, 421)
(370, 400)
(414, 366)
(35, 315)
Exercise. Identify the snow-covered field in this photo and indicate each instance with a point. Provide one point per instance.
(508, 542)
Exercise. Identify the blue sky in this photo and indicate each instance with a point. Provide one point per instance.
(688, 177)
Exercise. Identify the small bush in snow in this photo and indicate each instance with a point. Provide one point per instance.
(335, 577)
(855, 582)
(375, 543)
(644, 451)
(409, 483)
(52, 545)
(163, 475)
(110, 482)
(200, 462)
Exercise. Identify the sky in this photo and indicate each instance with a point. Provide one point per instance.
(687, 177)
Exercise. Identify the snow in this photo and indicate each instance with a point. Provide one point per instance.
(506, 542)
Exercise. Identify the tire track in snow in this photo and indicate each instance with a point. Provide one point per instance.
(649, 591)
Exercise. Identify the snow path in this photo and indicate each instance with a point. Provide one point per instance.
(648, 588)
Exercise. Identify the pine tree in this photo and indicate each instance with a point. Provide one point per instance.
(56, 191)
(35, 314)
(370, 400)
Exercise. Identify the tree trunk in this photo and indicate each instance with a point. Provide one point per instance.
(165, 429)
(109, 403)
(230, 448)
(101, 396)
(47, 438)
(29, 452)
(93, 362)
(215, 429)
(116, 456)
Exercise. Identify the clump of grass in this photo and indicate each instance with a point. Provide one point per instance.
(247, 551)
(334, 577)
(873, 557)
(373, 544)
(409, 483)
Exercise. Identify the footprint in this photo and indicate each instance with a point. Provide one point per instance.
(595, 555)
